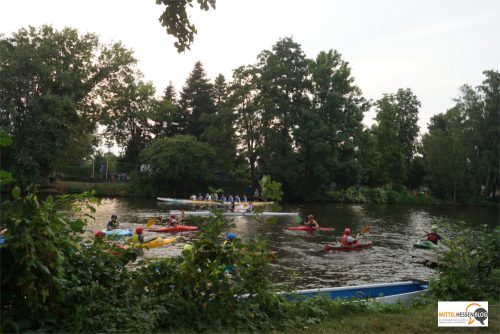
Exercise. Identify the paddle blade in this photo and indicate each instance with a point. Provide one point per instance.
(366, 229)
(150, 222)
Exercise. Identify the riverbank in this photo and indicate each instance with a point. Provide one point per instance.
(414, 320)
(102, 189)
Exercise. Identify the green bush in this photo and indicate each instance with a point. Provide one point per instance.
(470, 268)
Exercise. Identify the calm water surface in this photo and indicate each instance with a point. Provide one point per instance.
(301, 258)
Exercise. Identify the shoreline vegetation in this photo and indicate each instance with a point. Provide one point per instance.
(352, 195)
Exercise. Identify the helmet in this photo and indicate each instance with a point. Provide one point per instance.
(434, 228)
(139, 230)
(188, 247)
(114, 216)
(230, 236)
(99, 234)
(347, 230)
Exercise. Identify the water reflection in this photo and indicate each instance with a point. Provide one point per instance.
(301, 258)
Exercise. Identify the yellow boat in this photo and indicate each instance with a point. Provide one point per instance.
(156, 242)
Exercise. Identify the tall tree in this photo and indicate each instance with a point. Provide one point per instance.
(283, 86)
(219, 131)
(196, 100)
(53, 88)
(127, 119)
(396, 135)
(248, 122)
(166, 114)
(332, 130)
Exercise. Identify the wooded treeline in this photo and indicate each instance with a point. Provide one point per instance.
(296, 119)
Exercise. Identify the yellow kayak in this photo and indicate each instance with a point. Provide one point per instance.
(156, 242)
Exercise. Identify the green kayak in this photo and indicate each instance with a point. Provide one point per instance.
(425, 244)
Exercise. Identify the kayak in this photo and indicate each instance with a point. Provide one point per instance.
(425, 244)
(156, 242)
(207, 213)
(310, 229)
(175, 229)
(343, 248)
(190, 201)
(119, 232)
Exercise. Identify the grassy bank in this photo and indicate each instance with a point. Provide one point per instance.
(415, 320)
(101, 189)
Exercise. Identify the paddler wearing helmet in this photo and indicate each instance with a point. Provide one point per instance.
(433, 236)
(347, 239)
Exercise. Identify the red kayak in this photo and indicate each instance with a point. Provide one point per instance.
(174, 229)
(310, 229)
(343, 248)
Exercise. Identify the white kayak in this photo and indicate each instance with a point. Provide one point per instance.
(190, 201)
(207, 213)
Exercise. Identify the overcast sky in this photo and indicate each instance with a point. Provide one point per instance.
(430, 46)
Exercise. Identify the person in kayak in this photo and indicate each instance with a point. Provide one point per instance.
(311, 222)
(113, 223)
(347, 240)
(231, 207)
(172, 221)
(433, 236)
(138, 238)
(229, 239)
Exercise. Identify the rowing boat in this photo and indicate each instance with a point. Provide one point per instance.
(190, 201)
(207, 213)
(388, 293)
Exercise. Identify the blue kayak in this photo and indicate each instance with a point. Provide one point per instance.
(118, 232)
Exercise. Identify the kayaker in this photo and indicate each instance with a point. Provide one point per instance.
(245, 199)
(193, 197)
(172, 221)
(230, 198)
(223, 198)
(113, 223)
(433, 236)
(249, 207)
(311, 222)
(237, 198)
(229, 239)
(138, 238)
(347, 240)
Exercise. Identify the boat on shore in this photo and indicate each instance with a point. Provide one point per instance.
(190, 201)
(387, 293)
(206, 213)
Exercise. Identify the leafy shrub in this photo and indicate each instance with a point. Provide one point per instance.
(470, 268)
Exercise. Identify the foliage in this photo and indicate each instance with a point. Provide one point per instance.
(396, 136)
(176, 20)
(462, 144)
(39, 240)
(49, 83)
(270, 189)
(386, 195)
(469, 267)
(178, 165)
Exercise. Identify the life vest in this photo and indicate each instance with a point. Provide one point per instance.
(432, 237)
(135, 238)
(344, 241)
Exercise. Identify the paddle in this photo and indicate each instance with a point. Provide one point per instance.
(364, 229)
(151, 222)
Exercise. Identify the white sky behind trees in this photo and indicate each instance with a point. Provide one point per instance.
(430, 46)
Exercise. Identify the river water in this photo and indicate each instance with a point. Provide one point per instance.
(301, 259)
